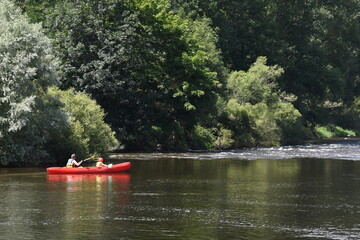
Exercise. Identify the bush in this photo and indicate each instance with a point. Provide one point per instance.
(258, 112)
(87, 133)
(225, 139)
(203, 138)
(331, 131)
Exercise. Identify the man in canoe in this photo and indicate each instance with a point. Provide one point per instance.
(72, 161)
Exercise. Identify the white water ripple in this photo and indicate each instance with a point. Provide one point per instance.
(344, 149)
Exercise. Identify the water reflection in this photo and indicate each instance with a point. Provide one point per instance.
(122, 178)
(262, 199)
(85, 200)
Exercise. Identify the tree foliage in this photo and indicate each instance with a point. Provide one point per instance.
(258, 111)
(156, 74)
(315, 42)
(28, 115)
(159, 68)
(87, 132)
(38, 125)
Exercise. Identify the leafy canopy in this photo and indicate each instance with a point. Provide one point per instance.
(87, 132)
(156, 74)
(28, 116)
(258, 111)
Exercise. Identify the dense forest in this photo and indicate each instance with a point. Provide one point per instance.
(93, 76)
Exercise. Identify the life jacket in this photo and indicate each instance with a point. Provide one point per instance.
(69, 163)
(99, 164)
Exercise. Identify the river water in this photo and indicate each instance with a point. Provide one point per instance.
(309, 191)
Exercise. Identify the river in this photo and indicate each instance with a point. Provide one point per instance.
(300, 192)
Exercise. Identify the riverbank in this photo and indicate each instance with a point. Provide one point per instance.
(335, 148)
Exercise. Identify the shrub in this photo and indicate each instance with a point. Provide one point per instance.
(203, 138)
(331, 131)
(87, 132)
(259, 113)
(28, 115)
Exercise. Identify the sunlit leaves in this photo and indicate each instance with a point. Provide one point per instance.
(145, 65)
(87, 132)
(256, 107)
(27, 67)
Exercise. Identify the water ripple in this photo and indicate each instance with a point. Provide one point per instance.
(344, 149)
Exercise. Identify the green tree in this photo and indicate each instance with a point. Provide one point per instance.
(156, 74)
(258, 111)
(28, 115)
(316, 42)
(246, 28)
(337, 35)
(87, 132)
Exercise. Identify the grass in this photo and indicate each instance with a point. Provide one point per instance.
(332, 131)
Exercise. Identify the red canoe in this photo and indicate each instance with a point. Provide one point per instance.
(84, 170)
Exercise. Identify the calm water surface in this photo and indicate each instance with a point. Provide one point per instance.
(299, 192)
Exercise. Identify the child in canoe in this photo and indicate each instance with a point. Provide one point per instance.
(100, 163)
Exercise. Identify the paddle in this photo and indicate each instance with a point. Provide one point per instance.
(88, 158)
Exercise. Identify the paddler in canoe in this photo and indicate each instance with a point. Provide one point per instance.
(100, 167)
(100, 163)
(72, 161)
